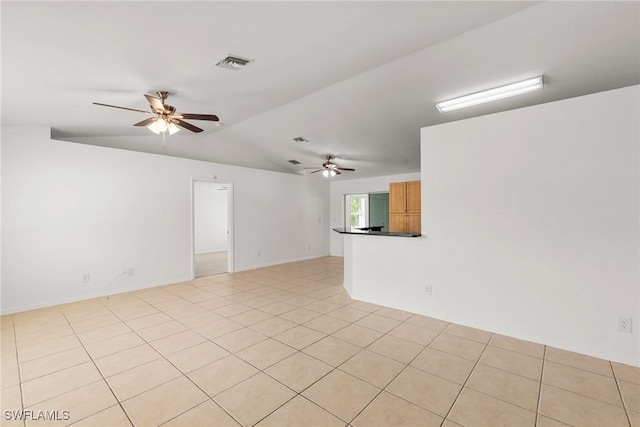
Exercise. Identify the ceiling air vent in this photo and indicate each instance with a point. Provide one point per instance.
(294, 162)
(233, 62)
(300, 139)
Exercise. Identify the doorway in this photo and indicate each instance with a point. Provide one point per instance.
(212, 238)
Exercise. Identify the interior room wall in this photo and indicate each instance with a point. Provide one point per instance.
(210, 217)
(73, 209)
(531, 227)
(356, 186)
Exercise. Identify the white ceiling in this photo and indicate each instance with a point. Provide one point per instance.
(357, 79)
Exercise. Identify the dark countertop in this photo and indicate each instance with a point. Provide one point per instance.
(373, 233)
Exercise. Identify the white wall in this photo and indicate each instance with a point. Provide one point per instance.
(356, 186)
(210, 217)
(70, 209)
(531, 224)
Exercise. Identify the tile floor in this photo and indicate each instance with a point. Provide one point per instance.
(286, 346)
(210, 263)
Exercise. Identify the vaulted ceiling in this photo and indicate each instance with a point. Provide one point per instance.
(356, 79)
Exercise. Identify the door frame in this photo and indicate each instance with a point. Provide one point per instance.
(230, 246)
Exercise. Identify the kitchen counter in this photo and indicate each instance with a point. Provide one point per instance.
(364, 232)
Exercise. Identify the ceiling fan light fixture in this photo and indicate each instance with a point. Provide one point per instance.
(493, 94)
(172, 128)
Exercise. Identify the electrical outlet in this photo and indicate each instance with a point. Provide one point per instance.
(624, 324)
(131, 271)
(86, 278)
(427, 289)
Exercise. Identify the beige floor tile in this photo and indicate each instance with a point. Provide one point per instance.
(45, 348)
(378, 323)
(81, 403)
(177, 342)
(232, 309)
(48, 386)
(445, 365)
(266, 353)
(208, 413)
(427, 322)
(278, 308)
(9, 374)
(239, 340)
(358, 335)
(630, 374)
(332, 350)
(300, 315)
(365, 306)
(506, 386)
(164, 402)
(258, 301)
(577, 410)
(273, 326)
(299, 337)
(195, 357)
(396, 348)
(254, 399)
(630, 395)
(549, 422)
(11, 399)
(137, 312)
(137, 380)
(519, 346)
(222, 374)
(126, 359)
(394, 313)
(104, 332)
(162, 330)
(55, 362)
(85, 325)
(348, 314)
(340, 299)
(414, 333)
(468, 333)
(180, 313)
(341, 394)
(326, 324)
(299, 371)
(634, 418)
(199, 319)
(215, 303)
(388, 410)
(148, 321)
(580, 361)
(113, 345)
(422, 388)
(473, 408)
(323, 307)
(42, 335)
(300, 300)
(449, 423)
(217, 329)
(110, 417)
(582, 382)
(457, 346)
(516, 363)
(301, 412)
(372, 368)
(250, 317)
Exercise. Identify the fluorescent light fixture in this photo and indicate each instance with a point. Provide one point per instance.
(489, 95)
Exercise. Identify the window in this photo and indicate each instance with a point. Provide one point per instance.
(366, 210)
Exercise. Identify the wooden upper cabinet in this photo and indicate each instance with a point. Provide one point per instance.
(413, 197)
(404, 207)
(398, 198)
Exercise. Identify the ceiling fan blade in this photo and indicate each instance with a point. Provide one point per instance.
(319, 170)
(122, 108)
(346, 169)
(155, 103)
(146, 122)
(210, 117)
(337, 172)
(186, 125)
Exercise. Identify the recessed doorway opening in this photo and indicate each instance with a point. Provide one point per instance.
(212, 249)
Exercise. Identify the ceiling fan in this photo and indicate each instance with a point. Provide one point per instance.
(329, 168)
(166, 117)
